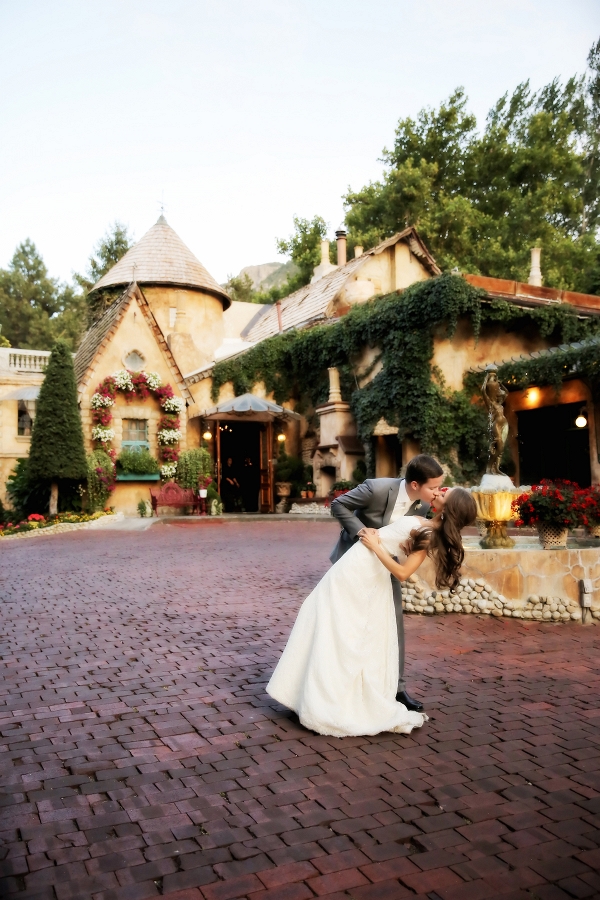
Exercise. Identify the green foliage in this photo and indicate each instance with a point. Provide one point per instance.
(137, 462)
(241, 288)
(481, 200)
(359, 473)
(343, 485)
(580, 361)
(36, 310)
(191, 465)
(408, 392)
(292, 468)
(142, 509)
(57, 441)
(107, 252)
(26, 495)
(100, 479)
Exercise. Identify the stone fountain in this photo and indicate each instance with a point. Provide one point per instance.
(495, 495)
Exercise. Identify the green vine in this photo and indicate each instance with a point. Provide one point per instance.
(408, 391)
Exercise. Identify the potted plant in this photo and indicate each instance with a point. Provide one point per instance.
(137, 465)
(552, 508)
(290, 470)
(311, 489)
(203, 483)
(341, 487)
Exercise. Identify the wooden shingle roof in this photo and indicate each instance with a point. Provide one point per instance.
(310, 304)
(161, 257)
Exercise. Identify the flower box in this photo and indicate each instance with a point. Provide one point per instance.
(128, 476)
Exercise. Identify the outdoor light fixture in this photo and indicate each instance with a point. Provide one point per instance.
(207, 435)
(281, 438)
(581, 420)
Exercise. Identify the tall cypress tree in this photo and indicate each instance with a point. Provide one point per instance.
(57, 451)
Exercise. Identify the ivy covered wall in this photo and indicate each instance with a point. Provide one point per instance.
(408, 391)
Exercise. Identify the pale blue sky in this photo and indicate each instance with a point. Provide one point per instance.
(241, 113)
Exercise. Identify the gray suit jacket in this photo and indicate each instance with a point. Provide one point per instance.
(370, 504)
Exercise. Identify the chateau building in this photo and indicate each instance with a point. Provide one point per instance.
(168, 316)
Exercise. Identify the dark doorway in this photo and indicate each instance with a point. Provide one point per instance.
(552, 446)
(240, 443)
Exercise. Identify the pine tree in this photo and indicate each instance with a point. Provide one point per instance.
(57, 451)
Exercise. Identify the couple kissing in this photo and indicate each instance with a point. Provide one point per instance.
(342, 670)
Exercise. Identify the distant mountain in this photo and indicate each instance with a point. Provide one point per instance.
(268, 275)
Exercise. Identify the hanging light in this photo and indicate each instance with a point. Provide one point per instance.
(281, 438)
(207, 436)
(581, 420)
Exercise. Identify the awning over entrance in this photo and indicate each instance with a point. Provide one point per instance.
(23, 393)
(248, 406)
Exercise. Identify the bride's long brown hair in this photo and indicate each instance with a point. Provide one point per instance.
(444, 544)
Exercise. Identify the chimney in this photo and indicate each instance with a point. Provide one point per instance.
(335, 394)
(358, 251)
(279, 320)
(325, 266)
(340, 237)
(535, 272)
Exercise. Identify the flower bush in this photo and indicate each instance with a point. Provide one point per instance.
(588, 505)
(100, 479)
(549, 503)
(139, 385)
(191, 465)
(36, 521)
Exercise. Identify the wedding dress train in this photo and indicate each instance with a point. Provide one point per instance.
(339, 669)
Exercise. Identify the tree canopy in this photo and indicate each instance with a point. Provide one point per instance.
(108, 251)
(481, 200)
(36, 310)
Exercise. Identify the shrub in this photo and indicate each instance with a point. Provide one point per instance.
(214, 503)
(100, 479)
(191, 465)
(360, 471)
(549, 503)
(137, 462)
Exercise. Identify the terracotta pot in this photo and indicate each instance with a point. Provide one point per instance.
(552, 537)
(339, 493)
(303, 494)
(310, 494)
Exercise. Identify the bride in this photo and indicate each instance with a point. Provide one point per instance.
(339, 669)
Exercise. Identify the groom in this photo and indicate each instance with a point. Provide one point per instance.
(381, 501)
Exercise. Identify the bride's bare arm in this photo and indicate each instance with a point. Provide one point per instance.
(401, 571)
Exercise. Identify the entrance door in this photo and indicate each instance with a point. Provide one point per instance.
(240, 465)
(551, 446)
(267, 504)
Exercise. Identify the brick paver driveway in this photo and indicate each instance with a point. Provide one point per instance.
(141, 756)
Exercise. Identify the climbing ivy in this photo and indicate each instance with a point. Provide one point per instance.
(408, 391)
(580, 360)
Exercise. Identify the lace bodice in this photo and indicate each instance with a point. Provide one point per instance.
(398, 533)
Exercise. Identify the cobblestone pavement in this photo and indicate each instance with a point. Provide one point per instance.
(141, 756)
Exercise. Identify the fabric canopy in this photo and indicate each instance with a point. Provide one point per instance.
(23, 393)
(249, 406)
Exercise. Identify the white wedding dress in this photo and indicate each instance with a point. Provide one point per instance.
(339, 669)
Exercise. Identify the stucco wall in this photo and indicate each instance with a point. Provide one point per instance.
(200, 315)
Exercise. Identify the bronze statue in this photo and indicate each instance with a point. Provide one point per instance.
(494, 394)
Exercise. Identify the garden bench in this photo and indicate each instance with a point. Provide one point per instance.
(173, 495)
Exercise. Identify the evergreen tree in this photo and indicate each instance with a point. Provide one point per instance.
(107, 253)
(57, 452)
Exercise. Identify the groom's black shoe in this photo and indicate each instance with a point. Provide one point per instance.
(408, 702)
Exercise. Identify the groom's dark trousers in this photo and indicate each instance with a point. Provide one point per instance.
(371, 504)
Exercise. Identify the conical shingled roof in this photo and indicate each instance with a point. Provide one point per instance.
(161, 257)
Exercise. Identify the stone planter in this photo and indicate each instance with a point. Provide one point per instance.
(594, 531)
(283, 488)
(551, 536)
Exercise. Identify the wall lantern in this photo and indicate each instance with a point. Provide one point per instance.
(207, 436)
(281, 438)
